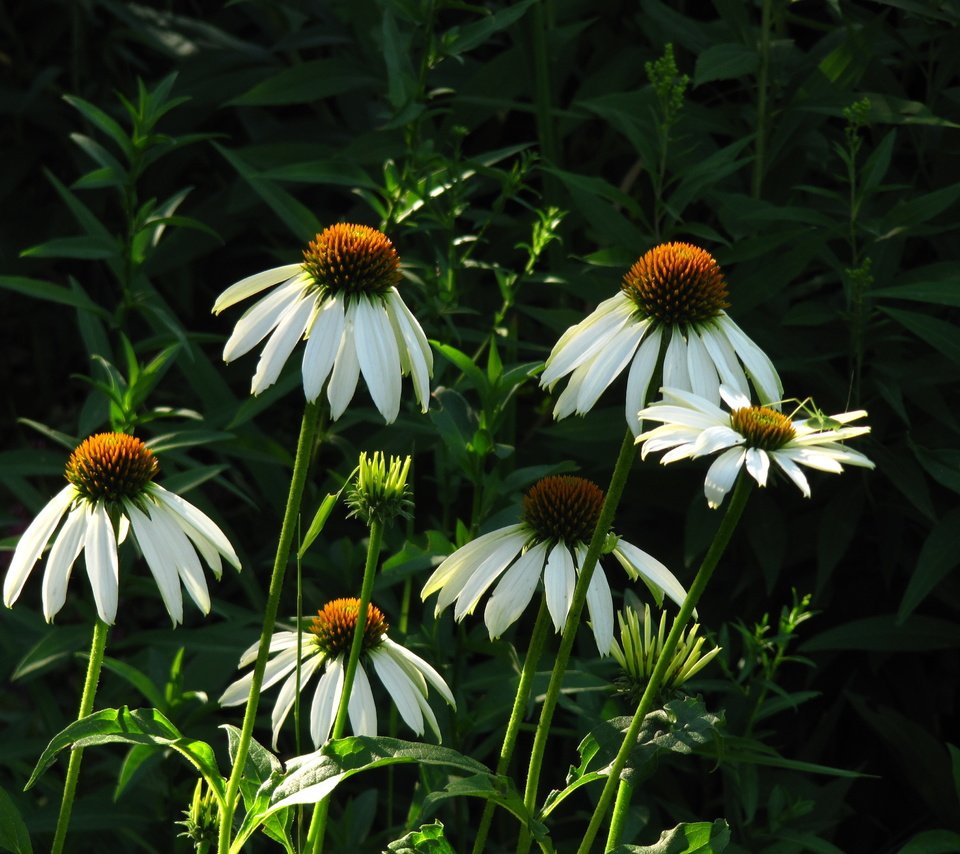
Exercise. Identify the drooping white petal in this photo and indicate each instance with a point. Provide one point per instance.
(196, 524)
(607, 366)
(277, 667)
(183, 555)
(675, 372)
(600, 608)
(274, 356)
(567, 401)
(758, 465)
(483, 576)
(721, 475)
(793, 471)
(361, 709)
(288, 693)
(715, 439)
(100, 552)
(326, 700)
(412, 340)
(279, 641)
(63, 553)
(655, 574)
(559, 579)
(757, 363)
(815, 458)
(514, 592)
(587, 338)
(399, 687)
(724, 358)
(734, 398)
(470, 554)
(431, 675)
(346, 368)
(703, 373)
(253, 285)
(260, 319)
(33, 541)
(641, 372)
(159, 560)
(378, 356)
(323, 342)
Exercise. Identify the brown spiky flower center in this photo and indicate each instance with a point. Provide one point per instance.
(762, 427)
(676, 283)
(352, 259)
(111, 467)
(336, 622)
(562, 507)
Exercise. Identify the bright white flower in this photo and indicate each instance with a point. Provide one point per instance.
(342, 300)
(559, 516)
(111, 487)
(327, 643)
(671, 304)
(751, 436)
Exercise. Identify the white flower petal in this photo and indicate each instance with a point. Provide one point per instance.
(326, 700)
(33, 541)
(600, 607)
(197, 525)
(378, 356)
(608, 364)
(758, 465)
(274, 356)
(815, 458)
(715, 439)
(721, 475)
(482, 577)
(414, 344)
(288, 693)
(100, 552)
(724, 358)
(793, 471)
(431, 675)
(757, 363)
(254, 284)
(675, 372)
(654, 574)
(260, 319)
(703, 373)
(514, 591)
(361, 709)
(278, 642)
(63, 553)
(587, 338)
(399, 687)
(559, 579)
(346, 368)
(323, 342)
(160, 560)
(641, 372)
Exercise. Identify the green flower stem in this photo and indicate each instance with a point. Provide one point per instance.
(97, 646)
(318, 824)
(301, 464)
(738, 501)
(618, 481)
(534, 652)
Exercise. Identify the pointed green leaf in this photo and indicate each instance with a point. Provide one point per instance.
(701, 837)
(13, 832)
(939, 334)
(319, 520)
(429, 839)
(938, 557)
(724, 62)
(38, 289)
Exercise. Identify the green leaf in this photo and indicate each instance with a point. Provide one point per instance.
(466, 365)
(101, 120)
(308, 82)
(500, 790)
(462, 39)
(401, 81)
(701, 837)
(137, 678)
(939, 334)
(56, 645)
(312, 777)
(13, 831)
(429, 839)
(319, 520)
(943, 292)
(938, 557)
(887, 633)
(126, 726)
(724, 62)
(933, 842)
(918, 209)
(137, 756)
(85, 248)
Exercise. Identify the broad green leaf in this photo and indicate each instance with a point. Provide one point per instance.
(340, 172)
(84, 248)
(55, 645)
(126, 726)
(943, 292)
(138, 679)
(13, 832)
(401, 80)
(500, 790)
(875, 168)
(137, 757)
(886, 633)
(746, 751)
(890, 109)
(429, 839)
(701, 837)
(466, 365)
(918, 209)
(933, 842)
(308, 82)
(724, 62)
(462, 39)
(50, 292)
(938, 557)
(939, 334)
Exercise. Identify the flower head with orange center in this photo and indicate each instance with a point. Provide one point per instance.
(110, 491)
(749, 436)
(327, 642)
(342, 298)
(670, 310)
(550, 543)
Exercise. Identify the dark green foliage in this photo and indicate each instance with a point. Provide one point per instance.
(520, 156)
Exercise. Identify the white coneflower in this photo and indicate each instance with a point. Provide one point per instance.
(672, 300)
(327, 643)
(111, 491)
(748, 435)
(342, 299)
(559, 517)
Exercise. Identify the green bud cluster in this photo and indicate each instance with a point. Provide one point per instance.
(378, 491)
